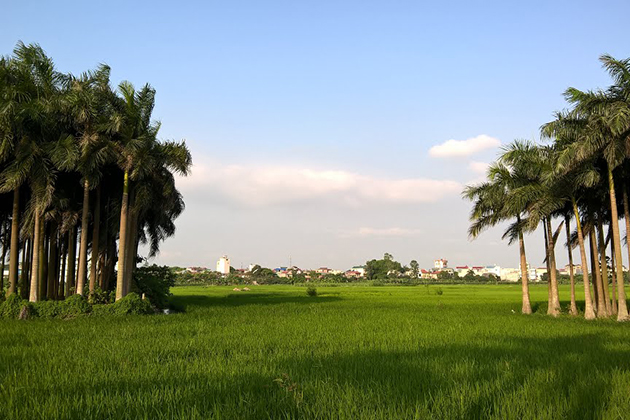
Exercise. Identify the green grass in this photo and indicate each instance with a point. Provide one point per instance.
(348, 353)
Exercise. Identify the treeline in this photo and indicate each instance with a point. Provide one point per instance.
(577, 183)
(83, 178)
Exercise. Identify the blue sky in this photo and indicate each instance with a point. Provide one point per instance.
(311, 122)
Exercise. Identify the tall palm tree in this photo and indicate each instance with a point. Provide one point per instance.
(491, 206)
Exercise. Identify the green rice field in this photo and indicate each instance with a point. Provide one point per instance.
(355, 352)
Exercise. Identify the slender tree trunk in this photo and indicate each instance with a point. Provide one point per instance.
(546, 246)
(589, 313)
(37, 239)
(82, 274)
(132, 246)
(622, 308)
(554, 307)
(612, 272)
(4, 255)
(527, 307)
(95, 239)
(72, 259)
(62, 272)
(26, 263)
(594, 274)
(603, 265)
(573, 310)
(601, 304)
(15, 240)
(43, 262)
(52, 263)
(122, 247)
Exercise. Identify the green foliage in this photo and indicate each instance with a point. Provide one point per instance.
(132, 304)
(155, 282)
(383, 269)
(311, 291)
(11, 307)
(100, 297)
(71, 307)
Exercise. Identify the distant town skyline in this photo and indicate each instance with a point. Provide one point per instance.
(334, 132)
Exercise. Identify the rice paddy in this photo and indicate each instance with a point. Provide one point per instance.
(348, 353)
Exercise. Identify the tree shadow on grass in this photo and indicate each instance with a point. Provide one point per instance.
(248, 298)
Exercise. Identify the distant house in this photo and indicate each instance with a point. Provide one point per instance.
(223, 265)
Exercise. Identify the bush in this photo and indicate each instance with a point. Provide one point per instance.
(439, 291)
(12, 306)
(71, 307)
(132, 304)
(155, 282)
(311, 291)
(101, 296)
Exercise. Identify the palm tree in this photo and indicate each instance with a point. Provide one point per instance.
(491, 206)
(537, 197)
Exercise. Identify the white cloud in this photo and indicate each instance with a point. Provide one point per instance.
(364, 232)
(261, 185)
(478, 167)
(462, 148)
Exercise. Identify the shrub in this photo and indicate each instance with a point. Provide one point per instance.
(439, 291)
(132, 304)
(311, 291)
(101, 296)
(155, 282)
(12, 306)
(71, 307)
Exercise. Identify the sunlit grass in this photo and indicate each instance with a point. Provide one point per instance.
(350, 352)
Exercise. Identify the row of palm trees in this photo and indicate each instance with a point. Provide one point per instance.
(582, 177)
(81, 169)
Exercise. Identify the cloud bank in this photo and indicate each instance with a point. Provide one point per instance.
(463, 148)
(263, 185)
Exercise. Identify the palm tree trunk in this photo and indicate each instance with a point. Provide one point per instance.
(62, 271)
(546, 246)
(594, 274)
(589, 313)
(43, 261)
(52, 263)
(4, 256)
(82, 274)
(26, 263)
(15, 240)
(95, 239)
(613, 273)
(603, 265)
(72, 260)
(602, 312)
(527, 307)
(554, 307)
(573, 310)
(132, 246)
(37, 239)
(122, 246)
(622, 308)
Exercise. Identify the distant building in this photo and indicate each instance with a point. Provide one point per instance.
(360, 269)
(223, 265)
(440, 264)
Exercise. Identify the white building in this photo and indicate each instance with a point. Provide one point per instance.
(440, 264)
(223, 265)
